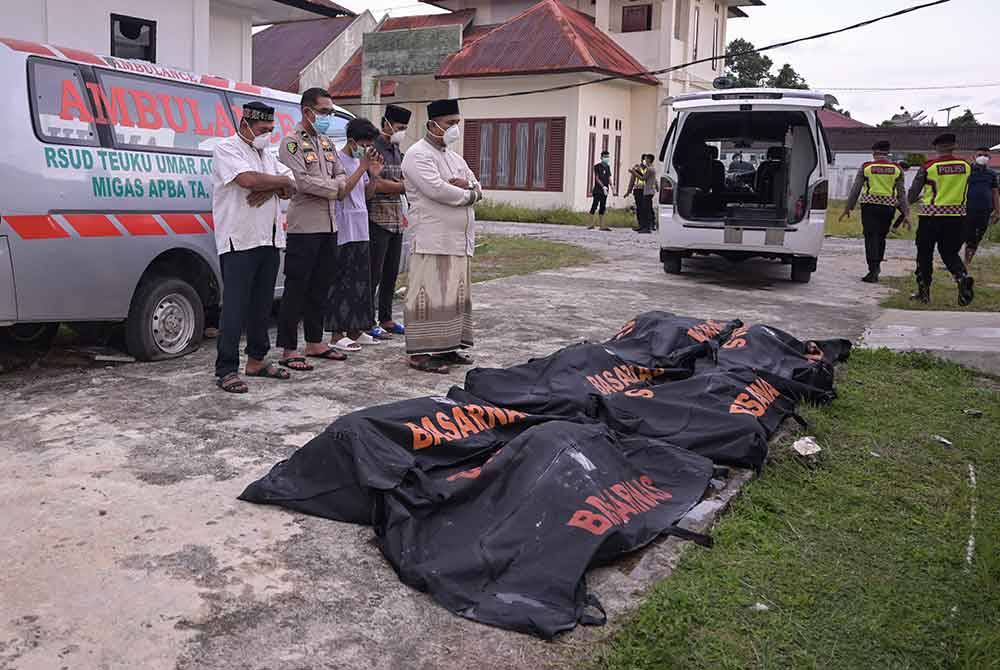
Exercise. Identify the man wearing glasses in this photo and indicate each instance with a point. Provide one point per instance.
(311, 252)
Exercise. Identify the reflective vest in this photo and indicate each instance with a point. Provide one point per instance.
(880, 183)
(947, 187)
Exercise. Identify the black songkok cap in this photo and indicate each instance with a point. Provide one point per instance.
(944, 139)
(258, 111)
(397, 114)
(442, 108)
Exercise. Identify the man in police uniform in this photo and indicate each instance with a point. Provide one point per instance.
(880, 188)
(942, 186)
(312, 230)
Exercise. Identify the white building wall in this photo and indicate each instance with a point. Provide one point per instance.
(328, 63)
(206, 36)
(555, 104)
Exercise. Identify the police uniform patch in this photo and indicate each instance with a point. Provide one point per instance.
(292, 147)
(329, 156)
(309, 157)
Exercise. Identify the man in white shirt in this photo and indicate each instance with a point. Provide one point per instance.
(247, 181)
(441, 191)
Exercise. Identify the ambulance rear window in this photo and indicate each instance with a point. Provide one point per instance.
(61, 109)
(159, 115)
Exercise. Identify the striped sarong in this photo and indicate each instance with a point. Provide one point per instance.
(438, 304)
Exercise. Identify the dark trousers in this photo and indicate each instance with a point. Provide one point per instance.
(639, 216)
(386, 249)
(309, 264)
(248, 293)
(976, 223)
(651, 222)
(643, 209)
(876, 221)
(945, 232)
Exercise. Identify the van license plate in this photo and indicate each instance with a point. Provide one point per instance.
(733, 235)
(774, 237)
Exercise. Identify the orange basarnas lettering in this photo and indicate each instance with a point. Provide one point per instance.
(705, 331)
(757, 397)
(460, 423)
(617, 504)
(622, 377)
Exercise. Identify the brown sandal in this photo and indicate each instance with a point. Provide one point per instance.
(269, 371)
(297, 363)
(330, 354)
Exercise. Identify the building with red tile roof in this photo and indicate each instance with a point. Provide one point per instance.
(547, 85)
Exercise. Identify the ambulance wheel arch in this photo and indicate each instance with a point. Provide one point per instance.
(166, 316)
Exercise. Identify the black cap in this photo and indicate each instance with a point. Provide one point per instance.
(258, 111)
(605, 153)
(397, 114)
(442, 108)
(944, 139)
(882, 147)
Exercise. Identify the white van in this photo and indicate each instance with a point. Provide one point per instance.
(105, 208)
(771, 208)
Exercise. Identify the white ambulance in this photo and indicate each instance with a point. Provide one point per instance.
(105, 208)
(773, 208)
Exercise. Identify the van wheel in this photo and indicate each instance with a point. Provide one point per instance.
(672, 263)
(27, 336)
(801, 272)
(166, 319)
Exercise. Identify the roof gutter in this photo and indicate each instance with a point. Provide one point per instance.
(315, 8)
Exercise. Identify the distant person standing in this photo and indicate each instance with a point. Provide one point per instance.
(640, 175)
(599, 193)
(247, 181)
(442, 191)
(879, 187)
(385, 219)
(984, 202)
(942, 217)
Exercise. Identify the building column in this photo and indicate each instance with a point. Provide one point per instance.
(200, 37)
(602, 17)
(371, 97)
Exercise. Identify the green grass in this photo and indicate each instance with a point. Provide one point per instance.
(489, 210)
(860, 560)
(504, 256)
(944, 294)
(852, 226)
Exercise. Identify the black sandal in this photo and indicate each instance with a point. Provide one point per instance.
(270, 371)
(456, 358)
(232, 383)
(429, 364)
(297, 363)
(330, 354)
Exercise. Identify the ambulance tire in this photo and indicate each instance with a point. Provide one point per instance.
(672, 263)
(166, 319)
(801, 272)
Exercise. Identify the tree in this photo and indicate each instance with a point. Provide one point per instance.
(966, 120)
(750, 70)
(787, 77)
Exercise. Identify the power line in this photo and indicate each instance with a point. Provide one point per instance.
(943, 87)
(769, 47)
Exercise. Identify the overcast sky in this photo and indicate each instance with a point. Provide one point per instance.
(954, 43)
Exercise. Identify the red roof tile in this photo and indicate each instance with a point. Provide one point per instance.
(347, 83)
(546, 38)
(832, 119)
(283, 50)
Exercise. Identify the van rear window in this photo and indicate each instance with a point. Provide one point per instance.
(147, 113)
(61, 110)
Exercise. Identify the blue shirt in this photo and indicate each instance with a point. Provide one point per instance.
(982, 181)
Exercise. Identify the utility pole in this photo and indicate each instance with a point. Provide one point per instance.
(948, 110)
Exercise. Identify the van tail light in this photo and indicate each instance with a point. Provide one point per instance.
(820, 196)
(666, 191)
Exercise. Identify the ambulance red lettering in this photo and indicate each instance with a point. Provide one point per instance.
(224, 127)
(145, 107)
(113, 111)
(73, 100)
(614, 506)
(178, 126)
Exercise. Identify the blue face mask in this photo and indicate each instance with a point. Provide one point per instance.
(321, 124)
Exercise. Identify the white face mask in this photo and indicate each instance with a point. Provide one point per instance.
(397, 137)
(451, 135)
(259, 142)
(983, 160)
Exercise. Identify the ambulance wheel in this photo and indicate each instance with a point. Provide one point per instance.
(166, 319)
(672, 262)
(801, 272)
(23, 336)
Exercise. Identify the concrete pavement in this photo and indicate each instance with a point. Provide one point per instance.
(124, 545)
